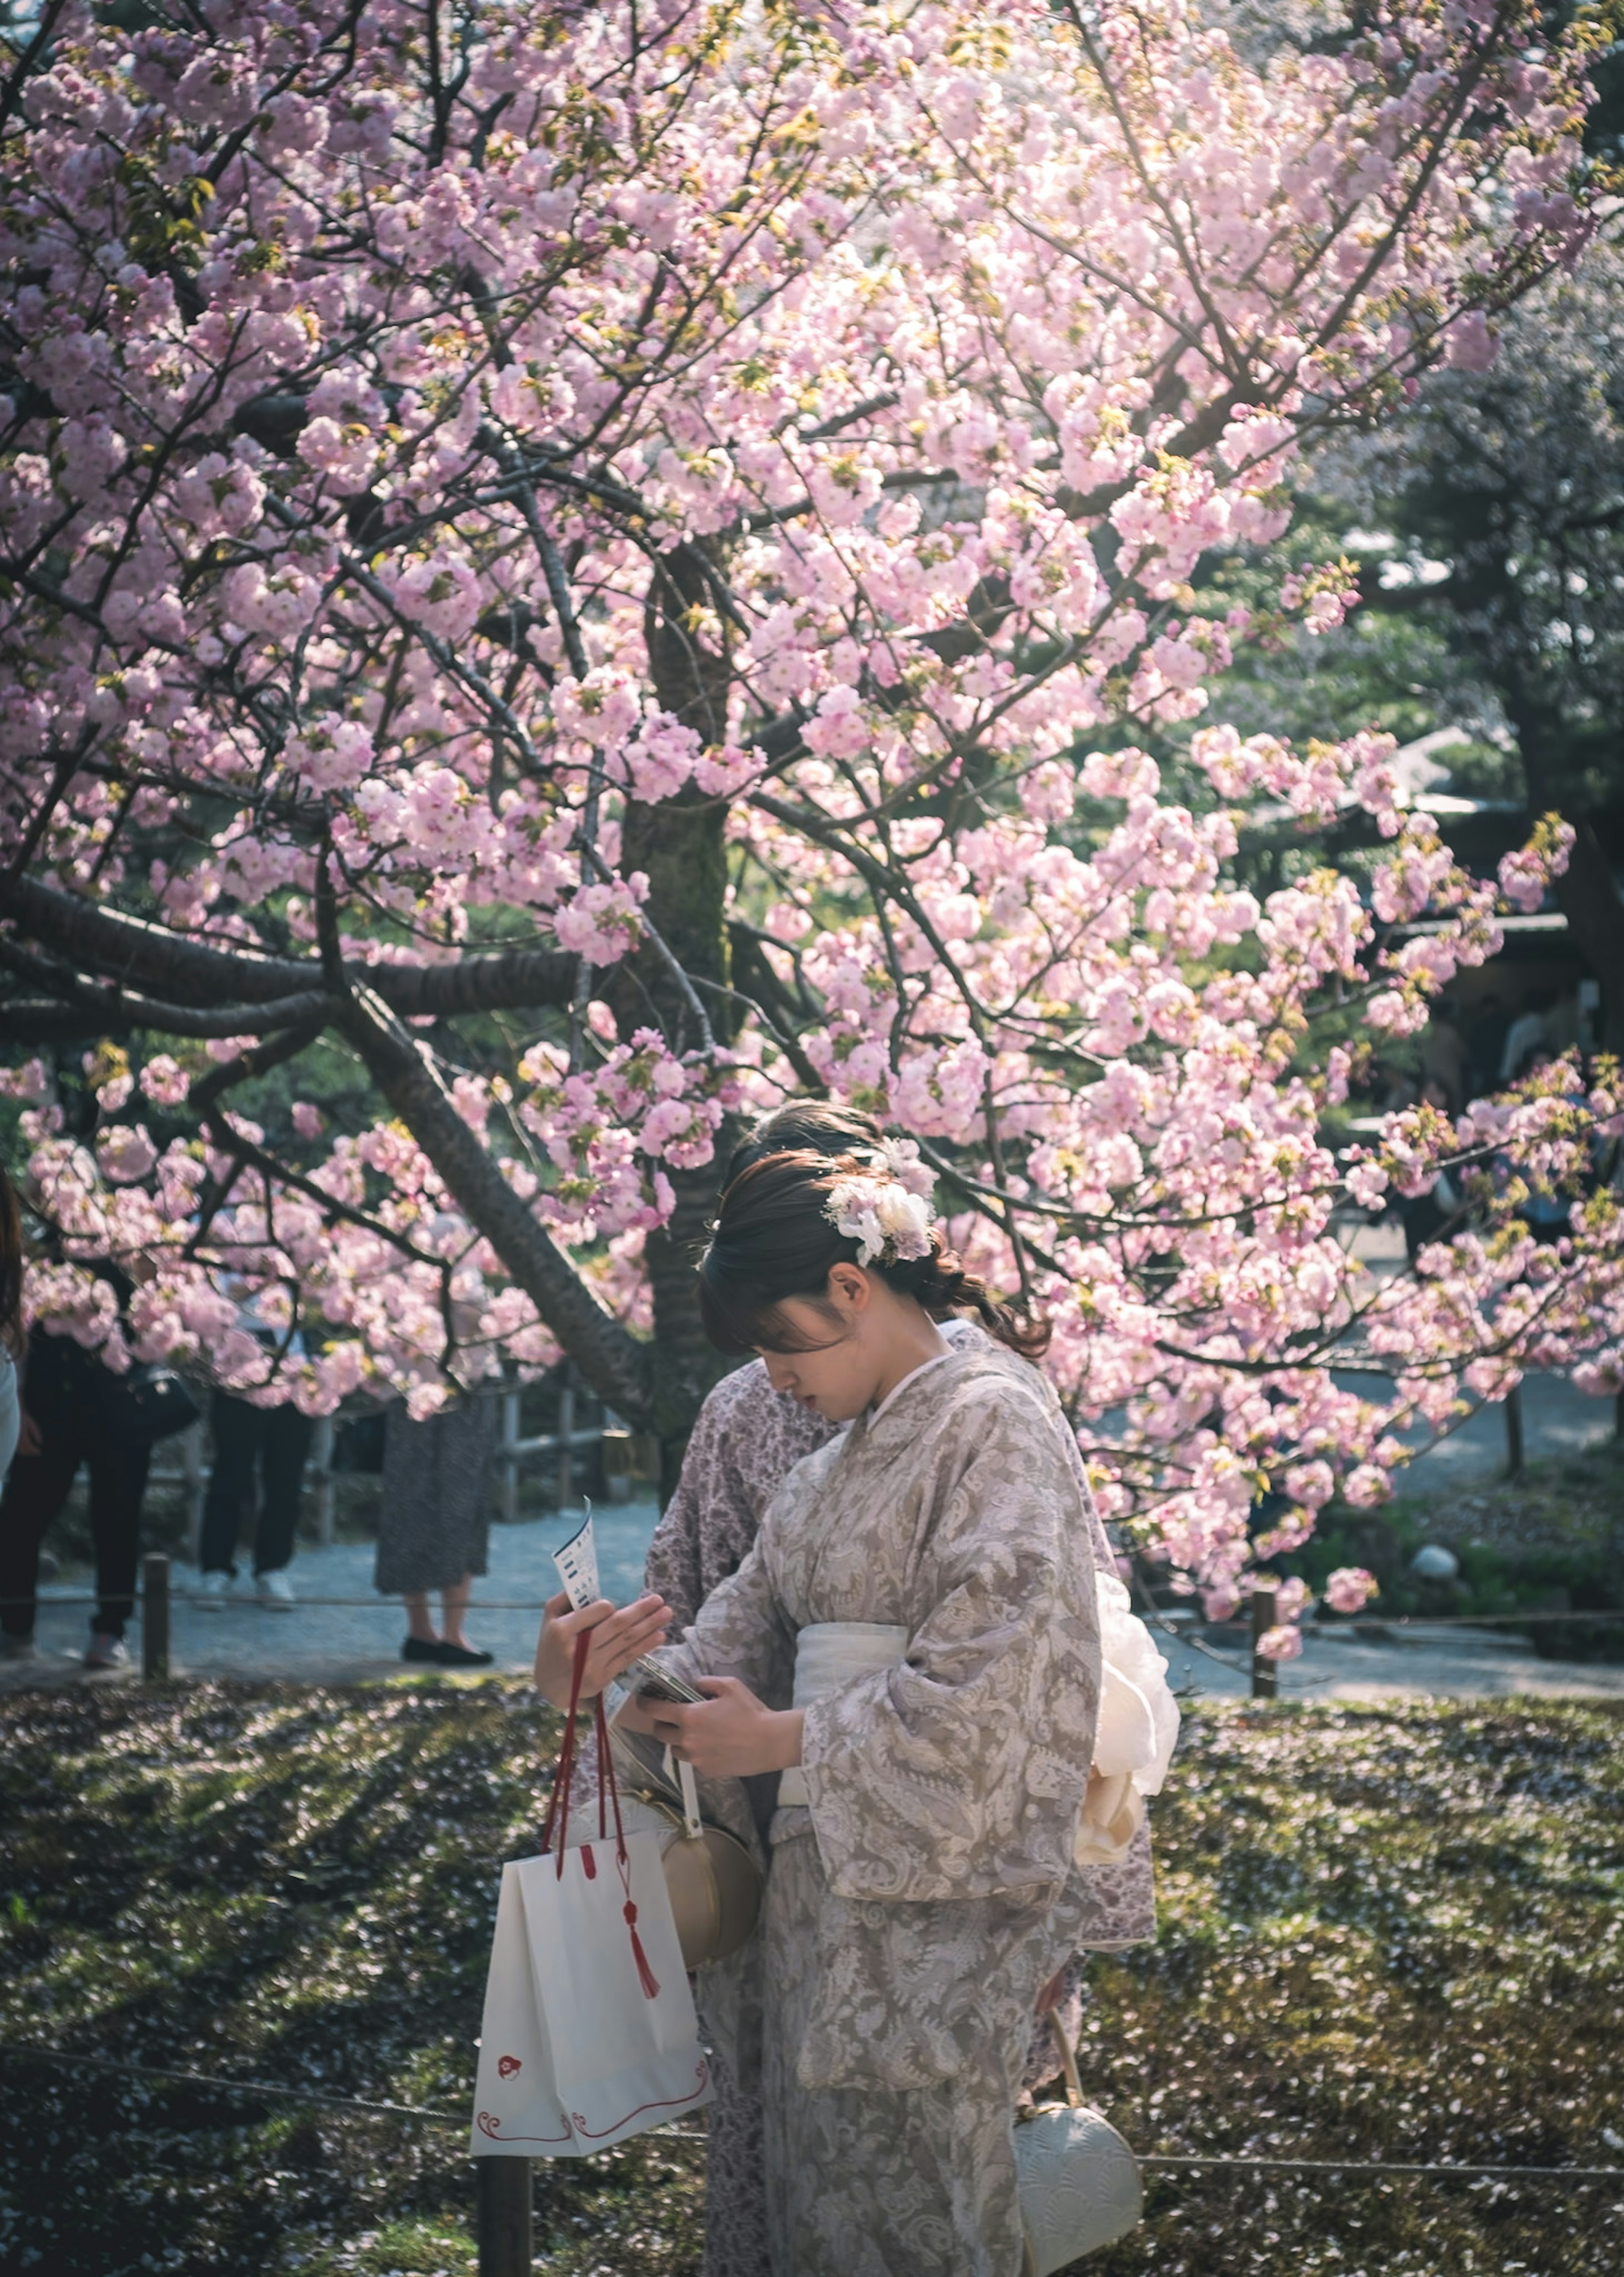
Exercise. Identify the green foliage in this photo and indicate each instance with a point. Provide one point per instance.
(1386, 1933)
(1550, 1541)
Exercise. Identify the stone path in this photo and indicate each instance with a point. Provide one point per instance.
(1421, 1658)
(317, 1643)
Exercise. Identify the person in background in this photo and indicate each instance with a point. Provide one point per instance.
(1445, 1059)
(435, 1523)
(1547, 1211)
(68, 1420)
(275, 1441)
(1425, 1217)
(1525, 1033)
(1486, 1041)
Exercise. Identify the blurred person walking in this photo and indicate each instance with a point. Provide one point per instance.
(275, 1441)
(434, 1524)
(76, 1412)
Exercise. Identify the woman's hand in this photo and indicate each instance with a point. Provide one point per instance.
(619, 1636)
(730, 1734)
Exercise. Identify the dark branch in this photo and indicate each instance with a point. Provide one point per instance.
(128, 951)
(613, 1362)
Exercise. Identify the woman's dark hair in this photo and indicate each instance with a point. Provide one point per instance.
(10, 1268)
(771, 1241)
(805, 1126)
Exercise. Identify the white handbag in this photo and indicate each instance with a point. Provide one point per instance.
(1078, 2182)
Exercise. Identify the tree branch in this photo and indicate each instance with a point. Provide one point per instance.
(613, 1362)
(124, 949)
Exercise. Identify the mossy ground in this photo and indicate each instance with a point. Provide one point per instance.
(1388, 1933)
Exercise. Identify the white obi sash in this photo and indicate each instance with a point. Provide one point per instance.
(1133, 1744)
(828, 1654)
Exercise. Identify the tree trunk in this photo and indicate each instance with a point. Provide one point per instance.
(681, 845)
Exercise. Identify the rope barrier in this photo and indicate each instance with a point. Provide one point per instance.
(1376, 2166)
(254, 2090)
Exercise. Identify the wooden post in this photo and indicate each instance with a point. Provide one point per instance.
(510, 1493)
(322, 1456)
(1265, 1675)
(506, 2229)
(155, 1617)
(191, 1465)
(1514, 1432)
(567, 1431)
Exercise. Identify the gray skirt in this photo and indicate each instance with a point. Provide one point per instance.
(435, 1516)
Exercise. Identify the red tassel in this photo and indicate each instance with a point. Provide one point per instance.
(651, 1990)
(588, 1861)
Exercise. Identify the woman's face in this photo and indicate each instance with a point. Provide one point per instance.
(837, 1374)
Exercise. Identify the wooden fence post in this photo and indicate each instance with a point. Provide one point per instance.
(197, 1486)
(567, 1436)
(1265, 1675)
(509, 1471)
(155, 1617)
(322, 1441)
(1514, 1432)
(505, 2225)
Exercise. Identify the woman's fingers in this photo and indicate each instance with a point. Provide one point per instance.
(618, 1636)
(649, 1618)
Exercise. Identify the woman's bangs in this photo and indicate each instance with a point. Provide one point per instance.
(737, 1318)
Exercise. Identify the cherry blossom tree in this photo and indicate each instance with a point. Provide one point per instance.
(569, 573)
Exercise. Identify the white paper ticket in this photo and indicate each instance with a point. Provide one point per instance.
(577, 1565)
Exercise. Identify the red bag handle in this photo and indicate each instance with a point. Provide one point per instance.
(558, 1805)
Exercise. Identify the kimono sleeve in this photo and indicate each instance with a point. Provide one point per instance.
(959, 1774)
(675, 1561)
(745, 1440)
(741, 1630)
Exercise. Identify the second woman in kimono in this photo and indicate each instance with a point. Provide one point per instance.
(913, 1642)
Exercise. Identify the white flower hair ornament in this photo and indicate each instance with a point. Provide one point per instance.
(886, 1221)
(899, 1158)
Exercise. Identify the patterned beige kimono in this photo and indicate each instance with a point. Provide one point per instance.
(914, 1909)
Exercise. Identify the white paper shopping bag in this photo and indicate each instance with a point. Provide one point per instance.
(516, 2104)
(589, 2031)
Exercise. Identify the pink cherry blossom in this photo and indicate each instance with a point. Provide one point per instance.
(1349, 1589)
(555, 630)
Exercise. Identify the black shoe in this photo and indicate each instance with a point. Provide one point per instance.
(441, 1654)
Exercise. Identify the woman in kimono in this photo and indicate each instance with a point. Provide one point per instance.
(912, 1644)
(747, 1438)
